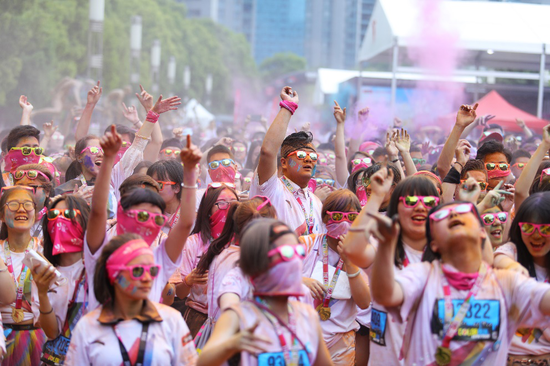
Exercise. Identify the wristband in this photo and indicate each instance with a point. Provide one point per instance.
(190, 187)
(152, 117)
(452, 177)
(395, 161)
(353, 275)
(46, 313)
(288, 105)
(461, 166)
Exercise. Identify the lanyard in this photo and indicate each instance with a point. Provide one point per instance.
(81, 283)
(175, 218)
(24, 269)
(330, 288)
(309, 218)
(453, 326)
(41, 214)
(141, 351)
(291, 358)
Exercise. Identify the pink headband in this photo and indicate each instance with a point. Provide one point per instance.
(125, 254)
(425, 172)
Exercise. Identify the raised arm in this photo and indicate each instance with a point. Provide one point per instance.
(83, 124)
(190, 157)
(274, 137)
(27, 110)
(340, 145)
(49, 130)
(529, 172)
(465, 116)
(95, 234)
(402, 141)
(526, 130)
(393, 152)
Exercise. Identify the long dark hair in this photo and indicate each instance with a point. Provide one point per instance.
(202, 223)
(416, 185)
(238, 215)
(535, 209)
(537, 185)
(168, 170)
(4, 199)
(73, 202)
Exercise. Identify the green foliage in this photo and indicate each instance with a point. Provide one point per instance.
(281, 64)
(43, 41)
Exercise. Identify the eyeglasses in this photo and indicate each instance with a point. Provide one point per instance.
(138, 271)
(445, 212)
(529, 229)
(493, 166)
(144, 216)
(224, 205)
(413, 201)
(163, 183)
(217, 163)
(300, 154)
(287, 253)
(68, 214)
(490, 218)
(338, 216)
(358, 161)
(545, 172)
(94, 150)
(26, 150)
(169, 152)
(418, 161)
(519, 165)
(482, 185)
(320, 181)
(239, 148)
(13, 206)
(31, 174)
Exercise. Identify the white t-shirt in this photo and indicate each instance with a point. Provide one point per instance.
(506, 301)
(288, 209)
(168, 342)
(192, 253)
(528, 341)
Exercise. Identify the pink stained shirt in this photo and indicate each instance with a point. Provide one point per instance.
(218, 270)
(192, 253)
(506, 300)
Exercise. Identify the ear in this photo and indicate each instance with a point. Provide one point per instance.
(284, 163)
(433, 246)
(483, 233)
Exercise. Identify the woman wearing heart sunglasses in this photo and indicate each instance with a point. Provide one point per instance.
(449, 294)
(270, 326)
(327, 271)
(63, 225)
(529, 252)
(127, 319)
(141, 211)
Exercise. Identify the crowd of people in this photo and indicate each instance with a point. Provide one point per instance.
(274, 248)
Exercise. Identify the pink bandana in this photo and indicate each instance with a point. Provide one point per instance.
(497, 173)
(337, 229)
(15, 158)
(125, 254)
(126, 224)
(217, 222)
(460, 281)
(223, 174)
(359, 166)
(361, 193)
(283, 279)
(120, 153)
(67, 235)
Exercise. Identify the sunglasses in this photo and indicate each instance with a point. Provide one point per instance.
(31, 174)
(300, 154)
(144, 216)
(320, 181)
(162, 183)
(239, 148)
(68, 214)
(287, 253)
(13, 206)
(126, 144)
(519, 165)
(529, 229)
(490, 218)
(413, 201)
(418, 161)
(493, 166)
(94, 150)
(217, 163)
(544, 173)
(482, 185)
(458, 209)
(138, 271)
(26, 150)
(247, 179)
(169, 152)
(358, 161)
(338, 216)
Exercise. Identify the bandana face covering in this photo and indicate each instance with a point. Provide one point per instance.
(361, 193)
(283, 279)
(336, 229)
(223, 174)
(15, 158)
(66, 235)
(358, 166)
(126, 224)
(217, 221)
(497, 173)
(120, 153)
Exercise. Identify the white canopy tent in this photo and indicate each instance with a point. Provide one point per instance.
(195, 112)
(493, 35)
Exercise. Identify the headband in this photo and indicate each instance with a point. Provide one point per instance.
(124, 254)
(425, 172)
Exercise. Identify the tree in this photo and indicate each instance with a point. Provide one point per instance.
(281, 64)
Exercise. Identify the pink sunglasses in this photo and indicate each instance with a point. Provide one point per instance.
(446, 212)
(138, 271)
(545, 172)
(287, 252)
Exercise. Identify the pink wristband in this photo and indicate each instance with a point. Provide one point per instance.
(288, 105)
(152, 117)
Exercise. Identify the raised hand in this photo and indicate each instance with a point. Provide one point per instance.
(190, 155)
(546, 134)
(381, 181)
(462, 152)
(390, 145)
(84, 192)
(466, 115)
(483, 120)
(49, 129)
(145, 99)
(386, 230)
(290, 95)
(246, 341)
(425, 147)
(363, 114)
(402, 141)
(25, 104)
(306, 126)
(130, 113)
(94, 94)
(397, 123)
(178, 132)
(165, 105)
(339, 113)
(470, 190)
(110, 142)
(323, 192)
(225, 141)
(520, 123)
(43, 276)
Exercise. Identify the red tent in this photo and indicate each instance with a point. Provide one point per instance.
(506, 114)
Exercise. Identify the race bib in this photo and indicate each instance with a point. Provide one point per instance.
(378, 322)
(481, 323)
(278, 359)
